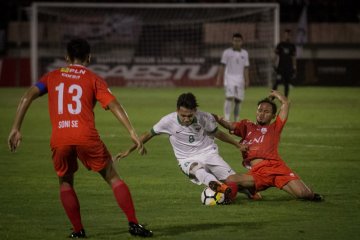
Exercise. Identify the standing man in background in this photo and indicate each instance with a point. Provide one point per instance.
(234, 74)
(285, 62)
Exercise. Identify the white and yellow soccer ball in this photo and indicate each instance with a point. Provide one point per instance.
(211, 198)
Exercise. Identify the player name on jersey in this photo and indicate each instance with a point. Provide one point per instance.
(68, 124)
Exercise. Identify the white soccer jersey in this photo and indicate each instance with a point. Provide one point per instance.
(235, 63)
(188, 141)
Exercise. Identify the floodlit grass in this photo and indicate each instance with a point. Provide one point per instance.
(321, 142)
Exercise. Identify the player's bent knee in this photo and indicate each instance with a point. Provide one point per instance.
(109, 174)
(193, 168)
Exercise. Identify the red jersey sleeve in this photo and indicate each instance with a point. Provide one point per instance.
(103, 94)
(279, 124)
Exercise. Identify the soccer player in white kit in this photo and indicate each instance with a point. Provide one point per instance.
(234, 74)
(191, 134)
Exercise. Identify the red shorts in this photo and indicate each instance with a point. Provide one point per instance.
(271, 173)
(93, 157)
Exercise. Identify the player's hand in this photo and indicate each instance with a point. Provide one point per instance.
(142, 150)
(14, 140)
(139, 144)
(243, 147)
(140, 147)
(121, 155)
(274, 94)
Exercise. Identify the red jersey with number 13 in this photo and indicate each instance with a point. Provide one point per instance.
(263, 141)
(72, 94)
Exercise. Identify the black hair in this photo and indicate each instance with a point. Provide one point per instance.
(78, 49)
(287, 30)
(271, 102)
(187, 100)
(237, 35)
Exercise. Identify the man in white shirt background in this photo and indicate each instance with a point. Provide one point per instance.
(234, 75)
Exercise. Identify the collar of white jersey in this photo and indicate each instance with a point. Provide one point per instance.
(178, 119)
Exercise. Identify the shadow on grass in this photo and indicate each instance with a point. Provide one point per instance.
(201, 227)
(174, 230)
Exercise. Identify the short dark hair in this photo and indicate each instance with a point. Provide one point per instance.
(237, 35)
(187, 100)
(78, 49)
(271, 102)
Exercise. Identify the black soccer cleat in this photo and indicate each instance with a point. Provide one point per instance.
(317, 198)
(139, 230)
(80, 234)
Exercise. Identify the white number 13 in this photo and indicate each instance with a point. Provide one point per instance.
(75, 98)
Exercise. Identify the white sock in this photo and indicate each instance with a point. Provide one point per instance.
(236, 111)
(227, 109)
(204, 177)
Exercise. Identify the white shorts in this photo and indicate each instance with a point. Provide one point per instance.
(237, 92)
(212, 162)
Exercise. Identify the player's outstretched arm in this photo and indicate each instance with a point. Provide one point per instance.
(226, 124)
(15, 137)
(144, 138)
(228, 139)
(120, 113)
(285, 104)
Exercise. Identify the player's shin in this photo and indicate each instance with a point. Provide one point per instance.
(71, 206)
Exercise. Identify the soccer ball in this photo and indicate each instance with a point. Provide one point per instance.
(211, 198)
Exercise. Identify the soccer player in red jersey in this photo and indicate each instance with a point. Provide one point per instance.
(72, 94)
(266, 168)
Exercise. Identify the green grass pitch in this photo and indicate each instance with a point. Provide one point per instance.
(321, 142)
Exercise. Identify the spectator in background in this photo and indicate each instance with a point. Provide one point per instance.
(234, 74)
(285, 62)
